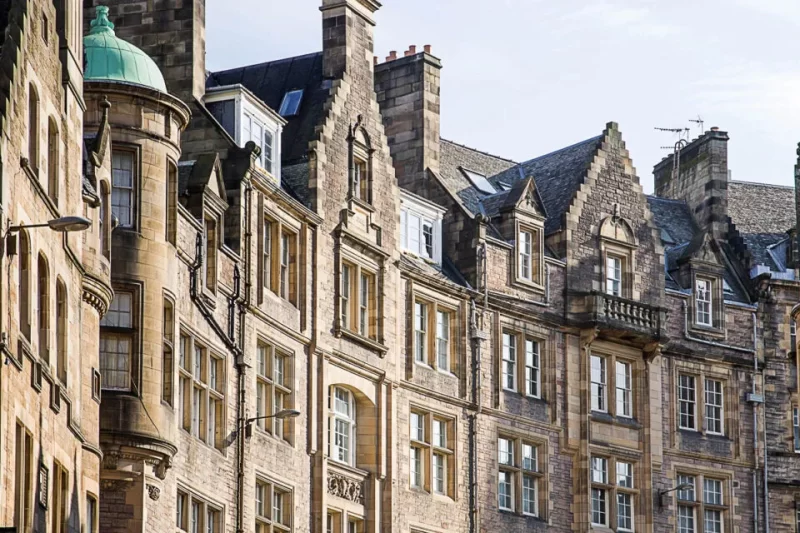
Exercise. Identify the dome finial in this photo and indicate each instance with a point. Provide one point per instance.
(101, 24)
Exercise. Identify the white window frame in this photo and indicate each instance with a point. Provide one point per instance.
(509, 361)
(624, 390)
(533, 362)
(412, 238)
(614, 274)
(124, 196)
(348, 421)
(714, 404)
(704, 302)
(687, 396)
(525, 254)
(599, 383)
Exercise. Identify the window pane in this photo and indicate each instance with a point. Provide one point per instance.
(685, 519)
(529, 491)
(625, 475)
(420, 332)
(505, 451)
(417, 430)
(686, 402)
(505, 489)
(599, 511)
(439, 467)
(416, 467)
(625, 511)
(714, 406)
(599, 470)
(598, 375)
(440, 433)
(509, 361)
(529, 457)
(687, 494)
(624, 390)
(532, 367)
(712, 491)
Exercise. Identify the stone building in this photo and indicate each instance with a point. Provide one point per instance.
(299, 309)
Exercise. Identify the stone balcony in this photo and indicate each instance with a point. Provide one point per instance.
(619, 318)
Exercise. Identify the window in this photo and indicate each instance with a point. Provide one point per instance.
(196, 515)
(509, 362)
(342, 427)
(443, 339)
(519, 475)
(263, 136)
(167, 357)
(479, 181)
(421, 233)
(60, 484)
(613, 275)
(172, 202)
(796, 428)
(613, 493)
(599, 379)
(44, 309)
(61, 331)
(210, 276)
(687, 403)
(279, 259)
(91, 514)
(355, 525)
(123, 200)
(116, 342)
(33, 128)
(291, 103)
(358, 300)
(23, 479)
(53, 141)
(24, 285)
(527, 376)
(273, 507)
(432, 335)
(420, 332)
(273, 389)
(361, 179)
(431, 455)
(708, 505)
(624, 390)
(532, 368)
(105, 220)
(703, 302)
(525, 251)
(714, 406)
(287, 284)
(266, 257)
(202, 391)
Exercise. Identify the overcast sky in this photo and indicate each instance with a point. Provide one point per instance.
(524, 77)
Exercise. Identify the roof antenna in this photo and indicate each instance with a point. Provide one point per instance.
(680, 144)
(699, 121)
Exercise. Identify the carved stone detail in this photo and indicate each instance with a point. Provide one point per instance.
(345, 487)
(154, 492)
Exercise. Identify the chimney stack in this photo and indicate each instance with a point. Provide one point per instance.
(700, 179)
(408, 93)
(347, 35)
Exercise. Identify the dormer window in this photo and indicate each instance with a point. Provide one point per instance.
(290, 106)
(254, 130)
(528, 250)
(526, 255)
(703, 302)
(421, 228)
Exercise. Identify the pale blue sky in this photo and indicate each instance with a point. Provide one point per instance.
(524, 77)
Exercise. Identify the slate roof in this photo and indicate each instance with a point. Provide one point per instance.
(675, 217)
(761, 207)
(557, 175)
(271, 81)
(456, 156)
(295, 180)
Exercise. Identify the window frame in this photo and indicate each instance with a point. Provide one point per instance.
(703, 297)
(696, 499)
(202, 387)
(414, 242)
(134, 152)
(610, 486)
(619, 270)
(534, 252)
(517, 470)
(274, 394)
(517, 369)
(700, 397)
(430, 335)
(350, 422)
(430, 449)
(130, 333)
(185, 504)
(362, 315)
(613, 359)
(796, 429)
(268, 522)
(168, 351)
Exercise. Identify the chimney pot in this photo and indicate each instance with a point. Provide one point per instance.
(392, 55)
(374, 60)
(715, 128)
(412, 49)
(408, 53)
(427, 49)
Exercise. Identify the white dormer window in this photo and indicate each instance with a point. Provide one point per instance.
(246, 118)
(703, 302)
(421, 227)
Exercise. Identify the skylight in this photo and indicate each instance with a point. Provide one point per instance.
(479, 181)
(291, 103)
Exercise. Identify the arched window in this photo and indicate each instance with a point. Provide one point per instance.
(61, 330)
(25, 285)
(33, 128)
(44, 309)
(361, 166)
(172, 202)
(342, 404)
(53, 141)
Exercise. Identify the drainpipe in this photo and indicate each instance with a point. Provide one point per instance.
(755, 432)
(241, 404)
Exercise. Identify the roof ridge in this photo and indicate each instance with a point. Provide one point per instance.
(760, 184)
(479, 151)
(265, 63)
(585, 141)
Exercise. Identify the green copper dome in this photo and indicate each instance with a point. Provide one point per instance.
(109, 58)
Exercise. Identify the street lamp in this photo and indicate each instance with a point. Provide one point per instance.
(280, 415)
(62, 225)
(662, 493)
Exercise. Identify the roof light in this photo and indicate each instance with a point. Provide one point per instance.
(479, 181)
(291, 103)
